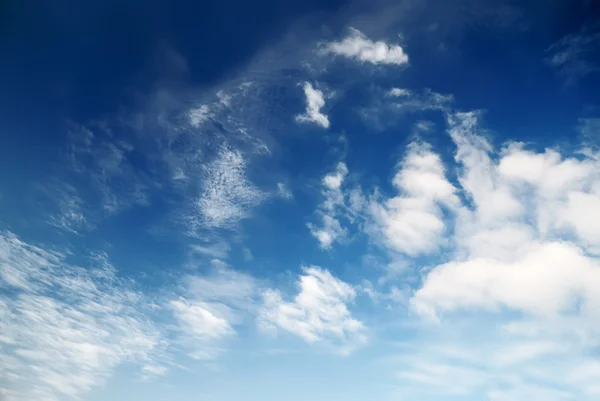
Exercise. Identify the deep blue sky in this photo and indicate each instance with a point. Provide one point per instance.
(226, 200)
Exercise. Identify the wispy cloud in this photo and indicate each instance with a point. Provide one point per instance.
(359, 47)
(283, 191)
(574, 55)
(227, 194)
(66, 328)
(318, 314)
(314, 103)
(105, 164)
(330, 229)
(211, 307)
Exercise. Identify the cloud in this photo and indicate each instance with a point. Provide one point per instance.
(105, 163)
(314, 103)
(573, 55)
(212, 306)
(412, 222)
(330, 229)
(406, 100)
(65, 328)
(357, 46)
(318, 314)
(199, 115)
(283, 191)
(514, 299)
(227, 195)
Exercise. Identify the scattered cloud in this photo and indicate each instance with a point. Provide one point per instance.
(515, 304)
(318, 314)
(199, 115)
(330, 229)
(227, 195)
(283, 191)
(573, 56)
(213, 304)
(314, 103)
(357, 46)
(66, 328)
(409, 101)
(105, 164)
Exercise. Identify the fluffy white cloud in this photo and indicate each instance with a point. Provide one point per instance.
(318, 314)
(412, 222)
(227, 195)
(357, 46)
(523, 276)
(314, 103)
(64, 328)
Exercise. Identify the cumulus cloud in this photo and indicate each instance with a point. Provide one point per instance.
(523, 275)
(318, 314)
(357, 46)
(227, 194)
(412, 222)
(314, 103)
(64, 328)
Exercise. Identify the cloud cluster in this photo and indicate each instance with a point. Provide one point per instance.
(357, 46)
(522, 272)
(318, 314)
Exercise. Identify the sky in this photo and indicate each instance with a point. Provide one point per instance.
(382, 200)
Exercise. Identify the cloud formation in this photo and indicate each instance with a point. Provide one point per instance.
(522, 274)
(573, 56)
(357, 46)
(318, 314)
(64, 328)
(314, 103)
(413, 222)
(212, 305)
(227, 194)
(330, 229)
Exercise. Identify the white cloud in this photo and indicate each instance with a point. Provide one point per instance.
(211, 307)
(199, 115)
(517, 300)
(283, 191)
(406, 100)
(314, 103)
(66, 328)
(227, 194)
(412, 222)
(330, 229)
(357, 46)
(318, 314)
(572, 55)
(399, 92)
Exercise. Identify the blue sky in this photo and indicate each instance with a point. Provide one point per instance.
(263, 201)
